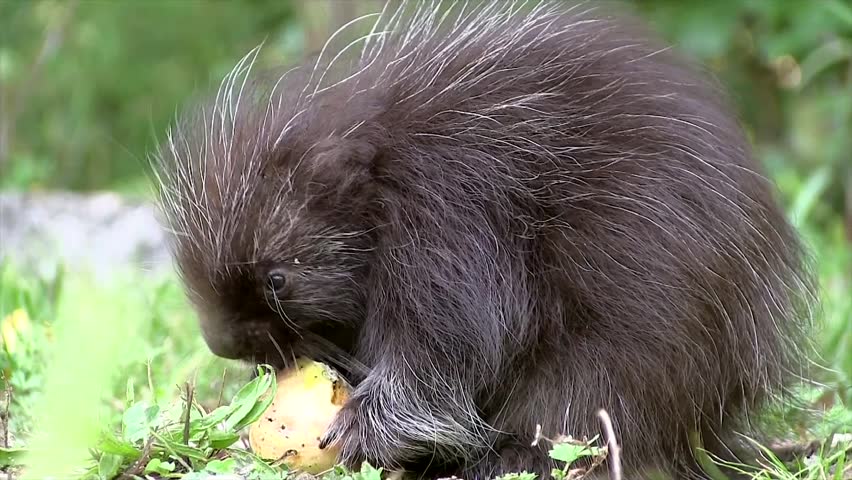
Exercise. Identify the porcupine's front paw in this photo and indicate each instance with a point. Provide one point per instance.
(365, 431)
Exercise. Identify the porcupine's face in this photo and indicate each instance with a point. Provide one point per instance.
(301, 287)
(273, 249)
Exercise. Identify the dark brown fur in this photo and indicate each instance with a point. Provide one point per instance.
(550, 217)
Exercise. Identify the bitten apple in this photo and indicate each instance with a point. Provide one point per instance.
(307, 399)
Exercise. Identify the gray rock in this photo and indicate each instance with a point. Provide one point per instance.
(100, 233)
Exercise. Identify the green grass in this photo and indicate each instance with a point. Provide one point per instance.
(113, 376)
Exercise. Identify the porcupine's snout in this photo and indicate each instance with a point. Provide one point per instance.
(221, 340)
(238, 323)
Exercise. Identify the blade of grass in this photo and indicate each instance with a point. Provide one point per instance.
(90, 336)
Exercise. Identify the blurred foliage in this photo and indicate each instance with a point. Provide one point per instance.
(87, 86)
(788, 67)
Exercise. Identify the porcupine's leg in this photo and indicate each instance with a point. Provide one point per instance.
(433, 339)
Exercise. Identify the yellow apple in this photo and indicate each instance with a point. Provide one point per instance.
(307, 399)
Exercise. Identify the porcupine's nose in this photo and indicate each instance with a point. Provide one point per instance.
(222, 344)
(223, 337)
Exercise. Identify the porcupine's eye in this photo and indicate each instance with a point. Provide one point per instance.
(276, 281)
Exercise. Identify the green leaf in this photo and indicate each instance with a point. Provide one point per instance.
(138, 420)
(267, 475)
(214, 418)
(158, 466)
(519, 476)
(260, 470)
(368, 472)
(810, 194)
(246, 407)
(243, 403)
(175, 447)
(248, 402)
(129, 393)
(256, 410)
(571, 452)
(11, 456)
(838, 465)
(108, 443)
(196, 476)
(839, 10)
(222, 466)
(109, 465)
(220, 439)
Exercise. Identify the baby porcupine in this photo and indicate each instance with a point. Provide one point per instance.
(491, 217)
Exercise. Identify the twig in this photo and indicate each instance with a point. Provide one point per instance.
(6, 415)
(7, 387)
(150, 376)
(613, 450)
(189, 395)
(139, 465)
(538, 436)
(182, 461)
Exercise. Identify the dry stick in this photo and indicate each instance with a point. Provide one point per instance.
(150, 376)
(187, 413)
(614, 451)
(180, 459)
(139, 465)
(6, 418)
(537, 435)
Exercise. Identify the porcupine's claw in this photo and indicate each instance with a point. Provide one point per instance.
(361, 435)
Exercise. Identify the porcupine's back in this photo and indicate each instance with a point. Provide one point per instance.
(635, 234)
(622, 161)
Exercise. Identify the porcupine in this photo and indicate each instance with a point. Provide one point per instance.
(493, 217)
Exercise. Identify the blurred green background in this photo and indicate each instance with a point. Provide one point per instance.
(87, 86)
